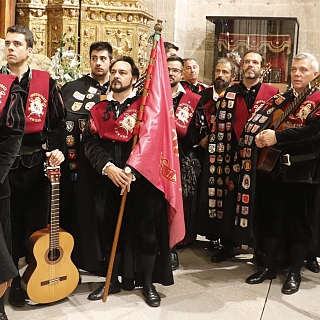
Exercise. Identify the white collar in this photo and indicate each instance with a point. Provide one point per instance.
(180, 89)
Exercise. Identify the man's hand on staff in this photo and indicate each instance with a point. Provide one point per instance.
(119, 178)
(266, 138)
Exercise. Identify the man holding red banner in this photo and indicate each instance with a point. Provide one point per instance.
(148, 174)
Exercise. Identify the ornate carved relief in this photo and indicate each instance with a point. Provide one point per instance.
(124, 24)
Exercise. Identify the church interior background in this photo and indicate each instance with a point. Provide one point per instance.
(203, 29)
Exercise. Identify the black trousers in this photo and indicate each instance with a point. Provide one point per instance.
(30, 203)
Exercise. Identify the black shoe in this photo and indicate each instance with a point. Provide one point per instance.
(3, 316)
(174, 261)
(98, 293)
(292, 283)
(127, 284)
(260, 276)
(312, 265)
(223, 254)
(17, 296)
(151, 296)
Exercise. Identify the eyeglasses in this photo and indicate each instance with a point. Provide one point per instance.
(174, 70)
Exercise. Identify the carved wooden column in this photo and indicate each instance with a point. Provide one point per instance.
(63, 19)
(33, 14)
(7, 15)
(124, 24)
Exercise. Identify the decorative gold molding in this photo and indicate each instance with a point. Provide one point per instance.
(124, 24)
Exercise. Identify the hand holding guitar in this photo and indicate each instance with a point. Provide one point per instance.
(55, 157)
(266, 138)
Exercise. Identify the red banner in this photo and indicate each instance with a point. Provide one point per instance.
(156, 154)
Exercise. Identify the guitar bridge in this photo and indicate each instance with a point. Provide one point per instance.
(53, 281)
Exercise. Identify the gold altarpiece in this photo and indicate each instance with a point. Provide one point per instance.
(124, 24)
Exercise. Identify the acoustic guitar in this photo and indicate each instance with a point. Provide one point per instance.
(280, 121)
(51, 275)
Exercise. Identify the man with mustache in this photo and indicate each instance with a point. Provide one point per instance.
(192, 128)
(143, 249)
(224, 73)
(233, 109)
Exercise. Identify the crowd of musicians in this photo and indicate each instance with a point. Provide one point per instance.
(249, 161)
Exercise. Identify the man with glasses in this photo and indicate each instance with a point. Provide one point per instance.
(191, 129)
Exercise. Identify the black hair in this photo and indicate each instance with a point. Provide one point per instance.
(23, 30)
(169, 45)
(102, 45)
(134, 69)
(255, 51)
(176, 58)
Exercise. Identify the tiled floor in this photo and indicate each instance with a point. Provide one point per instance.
(202, 290)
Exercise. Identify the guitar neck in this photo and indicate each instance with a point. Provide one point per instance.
(54, 219)
(294, 104)
(297, 101)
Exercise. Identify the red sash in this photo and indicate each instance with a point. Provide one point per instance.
(185, 111)
(37, 101)
(111, 129)
(241, 112)
(6, 81)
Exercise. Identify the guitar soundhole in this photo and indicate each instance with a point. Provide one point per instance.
(54, 255)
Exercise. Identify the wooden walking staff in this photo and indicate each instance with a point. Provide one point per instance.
(156, 37)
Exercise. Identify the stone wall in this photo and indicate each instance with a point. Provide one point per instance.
(185, 20)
